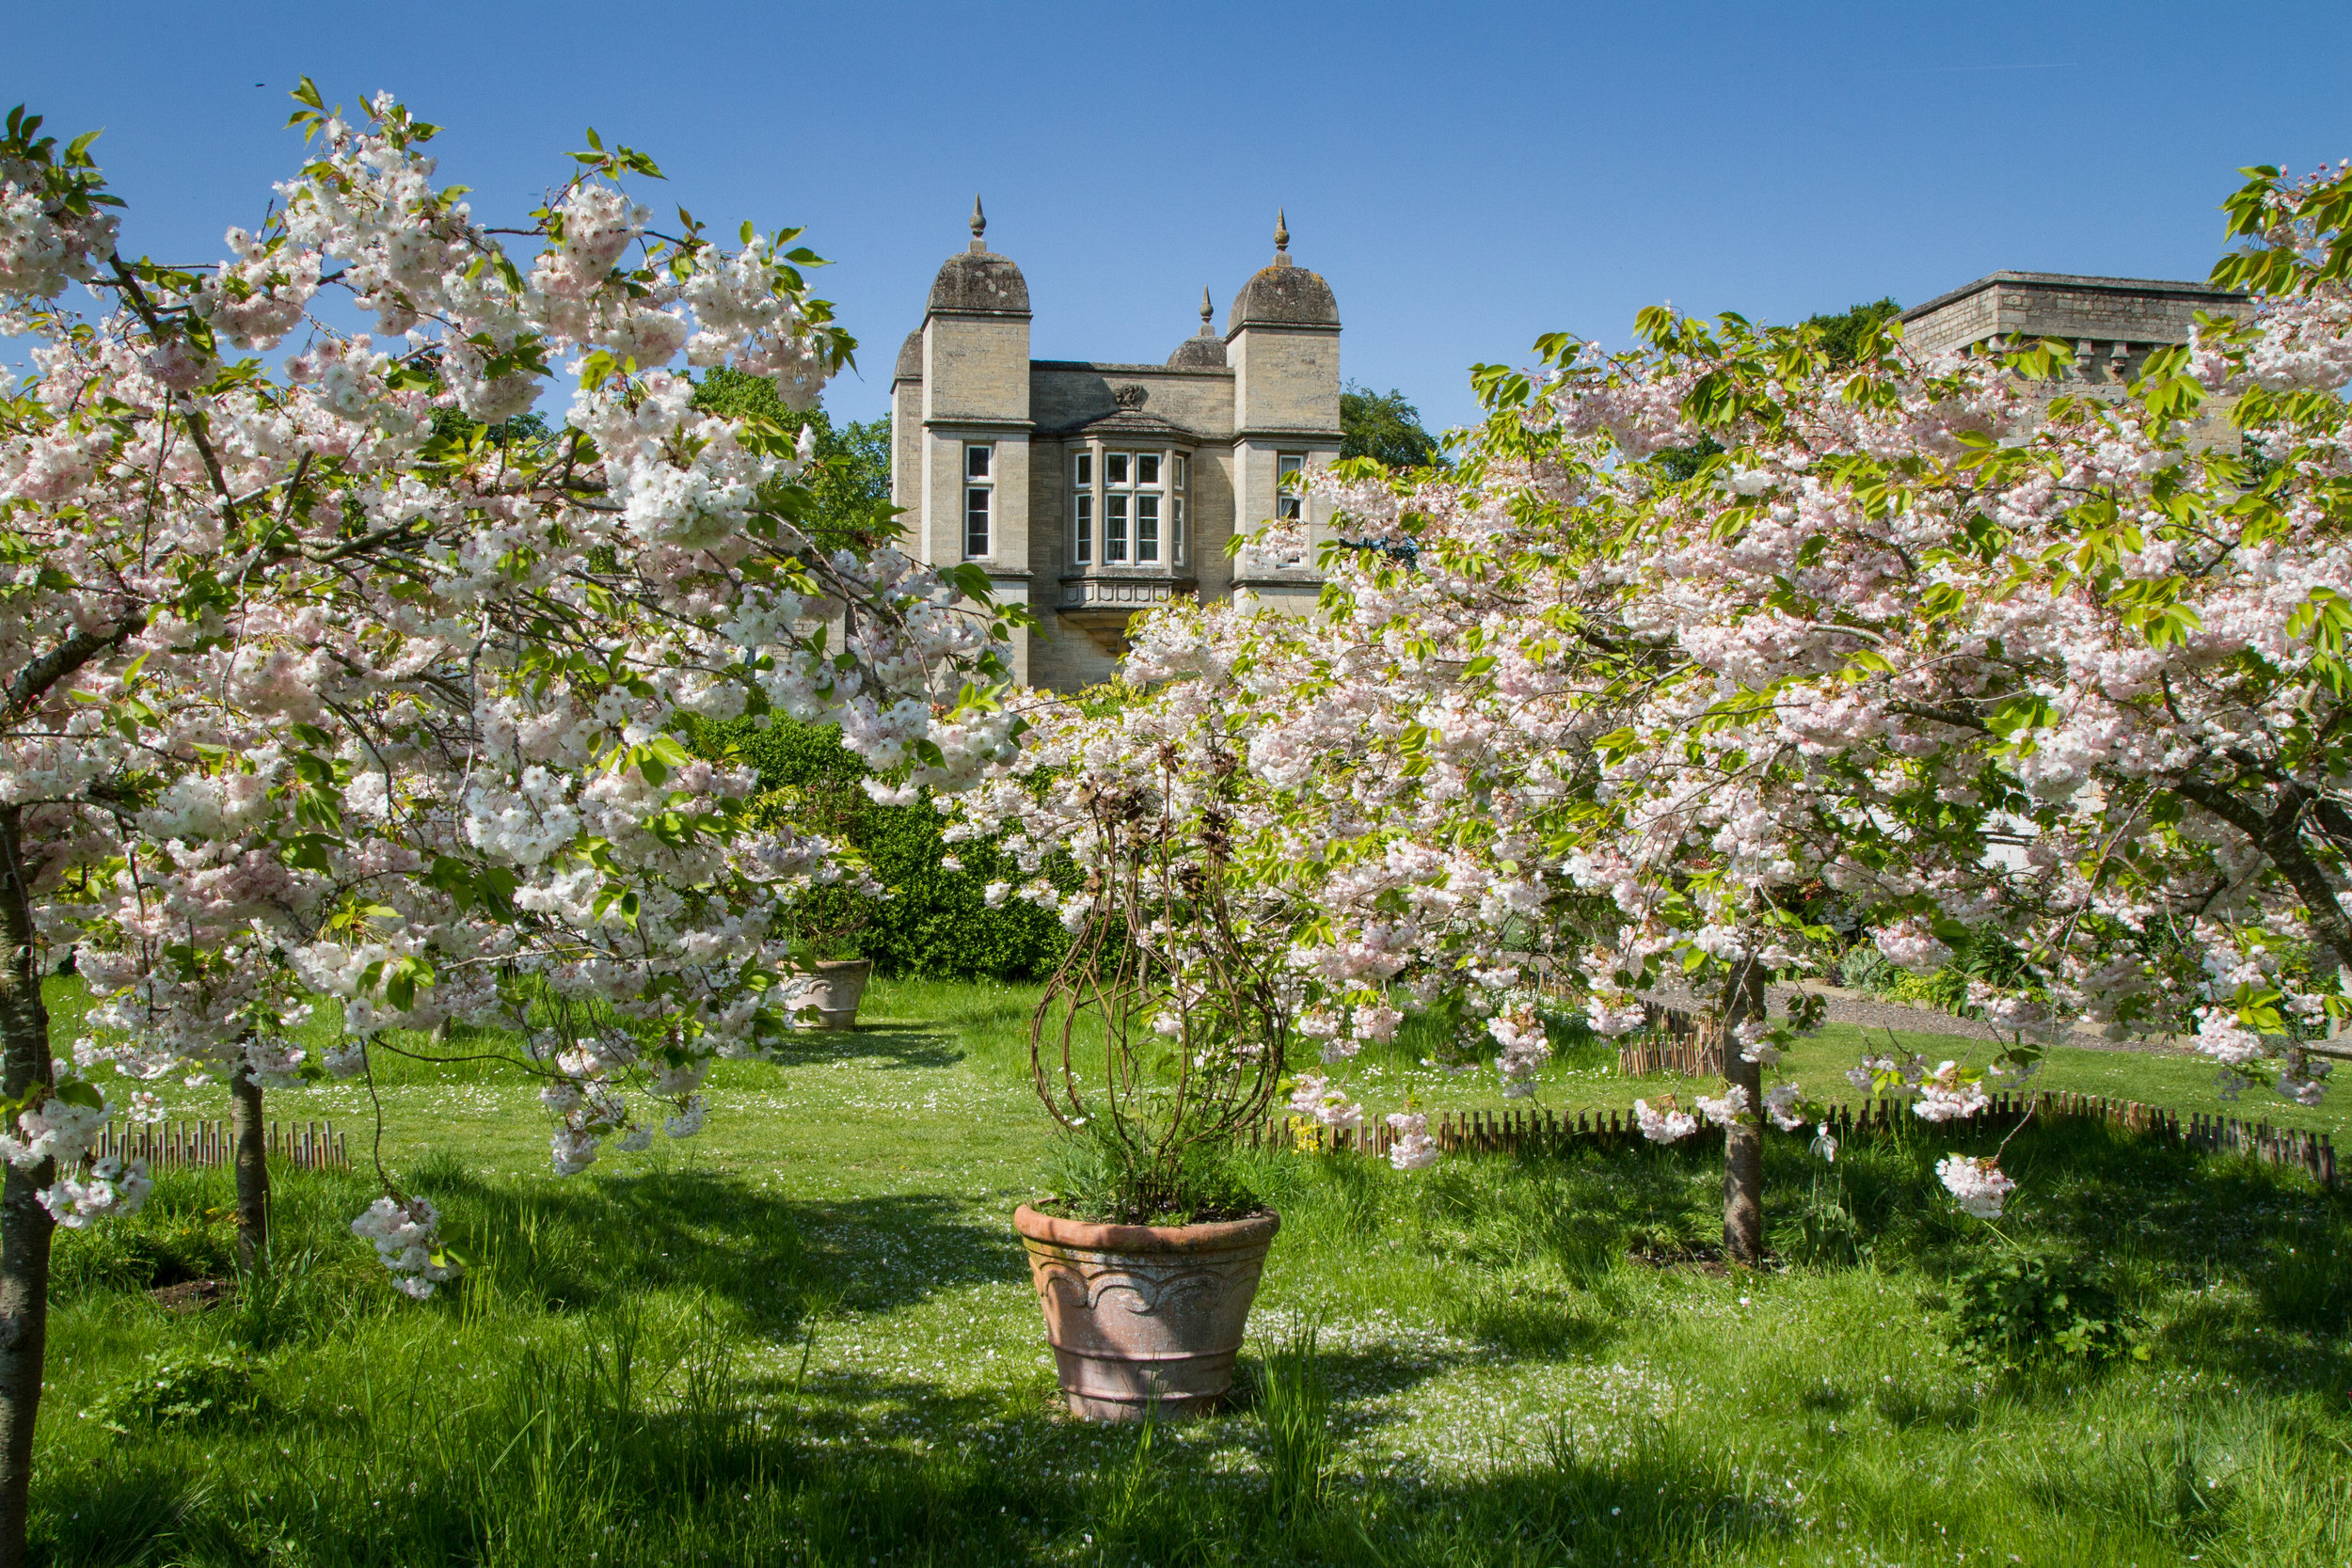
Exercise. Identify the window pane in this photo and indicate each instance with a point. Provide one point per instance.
(1147, 530)
(1086, 529)
(1176, 530)
(1146, 468)
(1086, 470)
(1114, 467)
(1114, 530)
(975, 521)
(1184, 471)
(1286, 501)
(975, 462)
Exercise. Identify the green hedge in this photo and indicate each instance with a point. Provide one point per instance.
(936, 923)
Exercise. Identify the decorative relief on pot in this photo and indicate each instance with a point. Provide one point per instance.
(1081, 1282)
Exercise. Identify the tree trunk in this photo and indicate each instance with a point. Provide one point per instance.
(249, 1147)
(1743, 1140)
(25, 1225)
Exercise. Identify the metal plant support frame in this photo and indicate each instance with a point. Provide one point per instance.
(1188, 992)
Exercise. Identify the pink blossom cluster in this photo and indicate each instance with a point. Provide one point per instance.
(107, 1188)
(1525, 1047)
(1977, 1185)
(1663, 1123)
(1316, 1100)
(1947, 1094)
(1410, 1147)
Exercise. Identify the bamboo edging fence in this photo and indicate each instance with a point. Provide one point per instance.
(1673, 1040)
(1555, 1131)
(305, 1145)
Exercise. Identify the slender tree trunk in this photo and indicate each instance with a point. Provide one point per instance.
(1743, 1140)
(249, 1147)
(25, 1225)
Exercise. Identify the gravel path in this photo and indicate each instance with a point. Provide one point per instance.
(1870, 1012)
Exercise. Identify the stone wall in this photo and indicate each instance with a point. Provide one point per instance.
(1064, 393)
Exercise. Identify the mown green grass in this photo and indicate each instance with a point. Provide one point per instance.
(807, 1336)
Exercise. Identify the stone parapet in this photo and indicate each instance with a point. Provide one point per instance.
(2113, 321)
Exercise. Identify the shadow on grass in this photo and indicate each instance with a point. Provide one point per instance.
(845, 1477)
(896, 1045)
(574, 1246)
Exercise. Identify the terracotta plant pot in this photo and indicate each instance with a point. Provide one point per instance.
(839, 984)
(1143, 1312)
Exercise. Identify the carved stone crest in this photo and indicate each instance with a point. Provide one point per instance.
(1130, 395)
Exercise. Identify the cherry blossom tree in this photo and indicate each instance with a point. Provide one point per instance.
(1976, 650)
(327, 679)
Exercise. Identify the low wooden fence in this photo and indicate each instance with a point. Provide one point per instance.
(1673, 1040)
(1699, 1058)
(1556, 1131)
(305, 1145)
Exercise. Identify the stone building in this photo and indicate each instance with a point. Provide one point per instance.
(2113, 321)
(1091, 490)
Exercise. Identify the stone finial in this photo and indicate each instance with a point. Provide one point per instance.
(1282, 240)
(1208, 313)
(979, 226)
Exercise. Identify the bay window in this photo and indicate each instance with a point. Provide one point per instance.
(1129, 508)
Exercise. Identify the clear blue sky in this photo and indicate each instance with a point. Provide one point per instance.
(1466, 176)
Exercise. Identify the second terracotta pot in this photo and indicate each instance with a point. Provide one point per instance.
(1141, 1315)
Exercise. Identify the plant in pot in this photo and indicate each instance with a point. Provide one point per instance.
(1160, 1038)
(827, 965)
(831, 976)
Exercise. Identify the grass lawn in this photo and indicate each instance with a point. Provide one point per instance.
(807, 1336)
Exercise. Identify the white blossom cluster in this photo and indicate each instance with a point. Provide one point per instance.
(108, 1188)
(412, 740)
(45, 244)
(1880, 650)
(408, 1240)
(1663, 1123)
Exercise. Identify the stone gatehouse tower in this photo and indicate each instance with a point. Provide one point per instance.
(1089, 491)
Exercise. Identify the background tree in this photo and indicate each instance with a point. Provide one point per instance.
(1845, 335)
(1842, 338)
(851, 483)
(933, 916)
(1385, 428)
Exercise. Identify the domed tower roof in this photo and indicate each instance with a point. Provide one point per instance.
(1284, 294)
(1204, 350)
(910, 359)
(978, 281)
